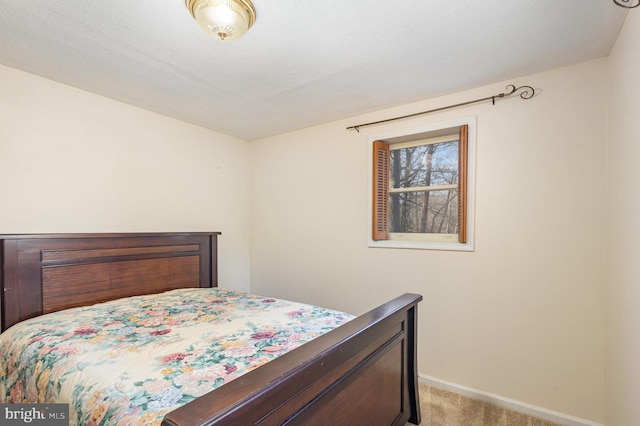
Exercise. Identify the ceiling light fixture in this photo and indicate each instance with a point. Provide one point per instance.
(226, 20)
(629, 4)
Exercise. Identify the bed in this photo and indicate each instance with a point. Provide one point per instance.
(362, 372)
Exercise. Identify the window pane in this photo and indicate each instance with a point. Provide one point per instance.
(424, 165)
(432, 212)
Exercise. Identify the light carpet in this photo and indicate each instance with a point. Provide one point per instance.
(443, 408)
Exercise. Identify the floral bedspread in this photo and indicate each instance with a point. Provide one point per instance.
(131, 361)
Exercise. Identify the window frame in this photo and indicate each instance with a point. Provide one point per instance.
(405, 137)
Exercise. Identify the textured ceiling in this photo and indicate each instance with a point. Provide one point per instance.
(304, 62)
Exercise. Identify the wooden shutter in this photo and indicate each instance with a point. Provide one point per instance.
(380, 191)
(462, 183)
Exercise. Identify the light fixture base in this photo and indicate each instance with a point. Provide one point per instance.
(226, 20)
(627, 4)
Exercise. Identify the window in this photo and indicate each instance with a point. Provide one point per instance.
(421, 182)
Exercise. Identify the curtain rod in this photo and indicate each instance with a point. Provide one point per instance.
(526, 92)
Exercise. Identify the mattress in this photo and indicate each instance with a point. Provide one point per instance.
(131, 361)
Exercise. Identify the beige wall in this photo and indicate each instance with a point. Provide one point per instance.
(71, 161)
(523, 315)
(623, 231)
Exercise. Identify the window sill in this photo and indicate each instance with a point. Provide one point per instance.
(422, 245)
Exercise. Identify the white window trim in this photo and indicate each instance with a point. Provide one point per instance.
(471, 175)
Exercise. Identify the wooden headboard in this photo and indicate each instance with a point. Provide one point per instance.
(42, 273)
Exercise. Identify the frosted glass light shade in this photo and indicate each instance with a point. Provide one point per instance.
(226, 20)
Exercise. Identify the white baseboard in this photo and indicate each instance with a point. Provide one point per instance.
(500, 401)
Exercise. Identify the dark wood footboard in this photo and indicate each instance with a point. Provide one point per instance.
(362, 373)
